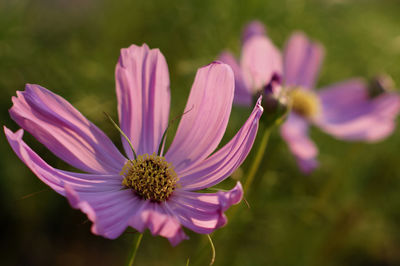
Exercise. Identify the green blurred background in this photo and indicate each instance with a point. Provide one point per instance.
(346, 213)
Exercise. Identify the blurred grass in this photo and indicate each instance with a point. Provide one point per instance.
(346, 213)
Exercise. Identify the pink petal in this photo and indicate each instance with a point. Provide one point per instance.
(243, 95)
(204, 212)
(225, 161)
(56, 178)
(349, 114)
(205, 118)
(112, 212)
(99, 196)
(295, 132)
(65, 131)
(260, 62)
(142, 84)
(160, 221)
(302, 61)
(254, 28)
(109, 211)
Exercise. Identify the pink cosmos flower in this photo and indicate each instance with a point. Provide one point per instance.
(345, 110)
(260, 66)
(154, 190)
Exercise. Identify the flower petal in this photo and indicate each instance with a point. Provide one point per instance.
(203, 212)
(112, 212)
(56, 178)
(349, 113)
(99, 196)
(65, 131)
(225, 161)
(295, 132)
(142, 84)
(109, 211)
(243, 95)
(206, 116)
(160, 221)
(253, 28)
(260, 62)
(302, 61)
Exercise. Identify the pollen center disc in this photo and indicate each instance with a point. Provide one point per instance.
(151, 177)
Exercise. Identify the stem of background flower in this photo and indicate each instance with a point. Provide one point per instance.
(254, 167)
(138, 239)
(257, 160)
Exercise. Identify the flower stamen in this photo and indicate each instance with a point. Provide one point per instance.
(304, 103)
(151, 177)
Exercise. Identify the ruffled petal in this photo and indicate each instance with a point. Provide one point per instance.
(302, 61)
(225, 161)
(203, 212)
(205, 118)
(142, 84)
(348, 113)
(295, 132)
(65, 131)
(159, 220)
(109, 211)
(260, 62)
(243, 95)
(253, 28)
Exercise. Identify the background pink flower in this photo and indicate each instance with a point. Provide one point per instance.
(344, 110)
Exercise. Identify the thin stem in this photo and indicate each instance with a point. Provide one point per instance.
(257, 160)
(254, 167)
(138, 239)
(212, 249)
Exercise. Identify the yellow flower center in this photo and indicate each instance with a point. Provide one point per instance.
(151, 177)
(304, 103)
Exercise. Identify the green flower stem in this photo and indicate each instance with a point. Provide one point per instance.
(254, 167)
(212, 249)
(138, 239)
(257, 160)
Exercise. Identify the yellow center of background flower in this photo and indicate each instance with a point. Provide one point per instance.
(304, 103)
(151, 177)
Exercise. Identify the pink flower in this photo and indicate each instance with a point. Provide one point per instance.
(260, 66)
(345, 110)
(154, 190)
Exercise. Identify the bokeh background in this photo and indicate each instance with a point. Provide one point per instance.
(345, 213)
